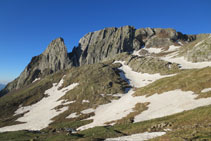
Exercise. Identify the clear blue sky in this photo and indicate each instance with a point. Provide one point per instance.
(28, 26)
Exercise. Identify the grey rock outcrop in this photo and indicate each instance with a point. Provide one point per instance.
(106, 43)
(103, 44)
(199, 51)
(160, 38)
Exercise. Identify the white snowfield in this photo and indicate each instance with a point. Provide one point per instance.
(182, 61)
(37, 79)
(65, 103)
(161, 105)
(73, 115)
(85, 101)
(39, 115)
(169, 103)
(172, 48)
(136, 52)
(154, 50)
(174, 59)
(120, 108)
(137, 79)
(186, 64)
(138, 137)
(206, 90)
(87, 111)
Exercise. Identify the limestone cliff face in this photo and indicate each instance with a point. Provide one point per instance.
(95, 47)
(106, 43)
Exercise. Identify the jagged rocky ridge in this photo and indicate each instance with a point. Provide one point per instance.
(95, 47)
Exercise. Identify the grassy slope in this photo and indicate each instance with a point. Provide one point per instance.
(193, 124)
(101, 78)
(190, 80)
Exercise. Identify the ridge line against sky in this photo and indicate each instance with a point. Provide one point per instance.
(27, 27)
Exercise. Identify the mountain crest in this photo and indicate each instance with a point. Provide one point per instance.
(95, 47)
(55, 56)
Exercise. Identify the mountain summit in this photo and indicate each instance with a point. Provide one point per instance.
(95, 47)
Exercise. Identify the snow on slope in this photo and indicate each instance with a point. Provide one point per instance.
(172, 57)
(172, 48)
(186, 64)
(37, 79)
(169, 103)
(137, 79)
(39, 115)
(183, 62)
(136, 52)
(206, 90)
(153, 50)
(137, 137)
(164, 104)
(120, 108)
(73, 115)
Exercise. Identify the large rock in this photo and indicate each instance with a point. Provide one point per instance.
(161, 38)
(106, 43)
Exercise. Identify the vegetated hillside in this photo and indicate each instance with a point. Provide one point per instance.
(118, 84)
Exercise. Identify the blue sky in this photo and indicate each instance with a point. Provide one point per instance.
(28, 26)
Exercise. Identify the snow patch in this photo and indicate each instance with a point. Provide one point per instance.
(65, 103)
(180, 43)
(87, 111)
(136, 52)
(172, 48)
(40, 114)
(73, 115)
(138, 137)
(206, 90)
(184, 63)
(199, 43)
(85, 101)
(169, 103)
(153, 50)
(137, 79)
(37, 79)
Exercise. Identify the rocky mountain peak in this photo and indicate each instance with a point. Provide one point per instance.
(53, 59)
(56, 46)
(98, 45)
(95, 47)
(56, 56)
